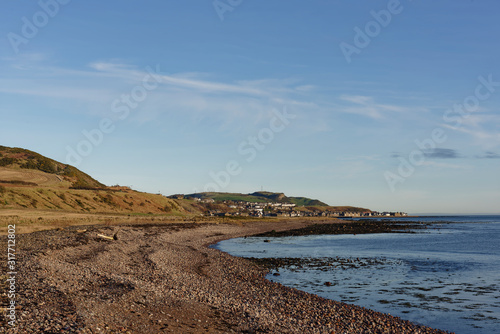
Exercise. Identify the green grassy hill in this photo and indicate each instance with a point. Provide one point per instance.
(220, 197)
(258, 197)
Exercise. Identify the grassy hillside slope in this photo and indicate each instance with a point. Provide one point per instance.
(258, 197)
(29, 180)
(89, 201)
(27, 161)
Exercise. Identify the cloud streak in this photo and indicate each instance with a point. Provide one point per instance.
(100, 70)
(489, 155)
(193, 97)
(366, 106)
(441, 153)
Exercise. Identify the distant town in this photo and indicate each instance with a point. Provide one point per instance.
(232, 208)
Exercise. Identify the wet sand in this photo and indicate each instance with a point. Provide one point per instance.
(165, 279)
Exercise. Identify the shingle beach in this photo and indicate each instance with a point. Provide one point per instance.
(166, 279)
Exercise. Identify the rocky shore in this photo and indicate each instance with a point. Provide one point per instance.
(165, 279)
(362, 226)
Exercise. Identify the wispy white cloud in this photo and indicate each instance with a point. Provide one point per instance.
(183, 80)
(483, 128)
(51, 91)
(357, 99)
(194, 96)
(26, 60)
(305, 88)
(111, 67)
(366, 106)
(191, 81)
(187, 96)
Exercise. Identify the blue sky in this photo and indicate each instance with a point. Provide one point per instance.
(390, 105)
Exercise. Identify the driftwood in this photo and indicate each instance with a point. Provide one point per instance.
(114, 237)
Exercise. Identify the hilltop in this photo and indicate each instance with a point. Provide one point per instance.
(24, 166)
(29, 180)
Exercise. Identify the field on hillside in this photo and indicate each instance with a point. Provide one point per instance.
(35, 177)
(86, 201)
(238, 197)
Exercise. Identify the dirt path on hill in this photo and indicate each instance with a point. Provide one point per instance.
(26, 175)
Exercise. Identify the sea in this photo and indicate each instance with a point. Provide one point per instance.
(445, 276)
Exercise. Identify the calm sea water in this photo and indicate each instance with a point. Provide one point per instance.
(446, 276)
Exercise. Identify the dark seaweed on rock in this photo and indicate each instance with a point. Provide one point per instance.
(323, 264)
(350, 227)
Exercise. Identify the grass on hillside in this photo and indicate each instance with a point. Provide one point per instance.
(259, 197)
(22, 159)
(239, 197)
(87, 201)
